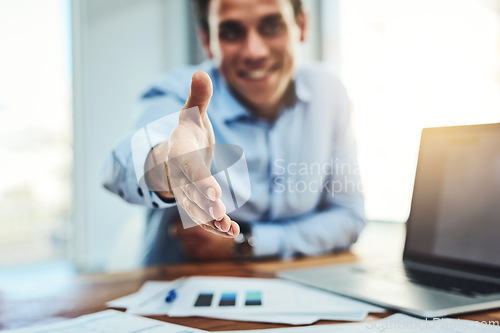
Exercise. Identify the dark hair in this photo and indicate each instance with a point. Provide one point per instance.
(201, 9)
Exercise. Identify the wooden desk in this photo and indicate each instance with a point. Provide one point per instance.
(76, 296)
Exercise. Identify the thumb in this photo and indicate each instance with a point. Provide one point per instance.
(201, 92)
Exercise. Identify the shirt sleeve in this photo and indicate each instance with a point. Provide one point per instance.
(157, 118)
(317, 233)
(340, 216)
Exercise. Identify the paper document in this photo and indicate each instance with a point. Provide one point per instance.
(108, 321)
(149, 300)
(394, 324)
(245, 299)
(296, 319)
(212, 295)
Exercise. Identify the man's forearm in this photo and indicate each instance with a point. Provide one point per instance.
(157, 178)
(313, 234)
(119, 177)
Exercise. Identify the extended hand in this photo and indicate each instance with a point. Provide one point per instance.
(189, 155)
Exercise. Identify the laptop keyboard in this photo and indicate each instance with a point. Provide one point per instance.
(459, 285)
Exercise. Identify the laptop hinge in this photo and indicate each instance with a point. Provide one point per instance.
(443, 269)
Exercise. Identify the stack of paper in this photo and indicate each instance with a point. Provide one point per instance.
(392, 324)
(246, 299)
(108, 322)
(117, 322)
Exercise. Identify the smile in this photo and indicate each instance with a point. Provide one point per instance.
(257, 74)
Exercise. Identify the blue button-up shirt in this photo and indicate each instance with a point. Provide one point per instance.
(306, 195)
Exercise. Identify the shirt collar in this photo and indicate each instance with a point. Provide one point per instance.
(302, 91)
(233, 110)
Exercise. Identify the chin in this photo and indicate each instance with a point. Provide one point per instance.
(259, 99)
(259, 103)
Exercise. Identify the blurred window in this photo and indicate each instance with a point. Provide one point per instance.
(410, 64)
(35, 129)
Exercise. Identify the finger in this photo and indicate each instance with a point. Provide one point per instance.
(200, 93)
(235, 229)
(214, 209)
(224, 224)
(232, 231)
(192, 166)
(197, 214)
(214, 230)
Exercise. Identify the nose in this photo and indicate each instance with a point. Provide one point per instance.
(255, 47)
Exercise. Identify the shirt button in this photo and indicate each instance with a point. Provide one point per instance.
(155, 205)
(139, 190)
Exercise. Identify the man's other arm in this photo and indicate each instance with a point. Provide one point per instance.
(340, 217)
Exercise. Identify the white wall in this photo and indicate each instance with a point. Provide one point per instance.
(311, 49)
(119, 47)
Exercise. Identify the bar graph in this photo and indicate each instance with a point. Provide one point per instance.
(229, 299)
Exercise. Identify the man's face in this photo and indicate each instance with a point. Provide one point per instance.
(254, 43)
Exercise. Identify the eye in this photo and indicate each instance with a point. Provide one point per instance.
(231, 32)
(271, 27)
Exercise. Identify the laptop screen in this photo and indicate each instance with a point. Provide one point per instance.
(455, 212)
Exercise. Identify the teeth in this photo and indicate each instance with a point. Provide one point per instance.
(257, 74)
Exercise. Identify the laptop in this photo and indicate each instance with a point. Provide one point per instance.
(451, 260)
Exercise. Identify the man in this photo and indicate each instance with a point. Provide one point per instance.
(292, 122)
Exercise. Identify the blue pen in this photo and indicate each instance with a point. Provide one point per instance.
(171, 296)
(172, 293)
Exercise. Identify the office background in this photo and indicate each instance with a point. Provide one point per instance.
(71, 73)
